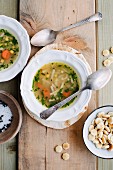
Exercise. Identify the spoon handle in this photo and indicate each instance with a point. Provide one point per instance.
(48, 112)
(92, 18)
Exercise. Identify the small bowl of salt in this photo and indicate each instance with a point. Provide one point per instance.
(10, 117)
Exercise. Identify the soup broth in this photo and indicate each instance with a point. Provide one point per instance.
(9, 49)
(54, 82)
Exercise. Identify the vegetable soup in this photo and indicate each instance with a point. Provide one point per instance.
(54, 82)
(9, 49)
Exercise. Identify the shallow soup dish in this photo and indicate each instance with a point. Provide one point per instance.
(49, 78)
(14, 41)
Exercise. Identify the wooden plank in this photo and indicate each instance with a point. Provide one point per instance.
(36, 143)
(8, 150)
(105, 41)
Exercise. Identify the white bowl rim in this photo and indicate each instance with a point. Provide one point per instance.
(23, 39)
(36, 57)
(83, 132)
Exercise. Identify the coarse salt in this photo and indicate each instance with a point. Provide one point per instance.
(5, 116)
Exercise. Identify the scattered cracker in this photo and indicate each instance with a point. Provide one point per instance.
(65, 156)
(66, 145)
(106, 63)
(58, 148)
(105, 53)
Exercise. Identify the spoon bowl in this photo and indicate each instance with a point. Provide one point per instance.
(99, 79)
(43, 37)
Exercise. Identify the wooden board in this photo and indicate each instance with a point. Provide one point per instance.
(105, 41)
(8, 150)
(36, 142)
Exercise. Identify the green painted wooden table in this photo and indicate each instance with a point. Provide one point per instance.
(104, 39)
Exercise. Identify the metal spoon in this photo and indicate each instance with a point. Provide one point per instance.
(47, 36)
(95, 81)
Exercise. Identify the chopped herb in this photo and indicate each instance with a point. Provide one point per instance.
(16, 50)
(14, 41)
(52, 104)
(43, 74)
(67, 90)
(33, 84)
(73, 75)
(36, 89)
(59, 93)
(67, 104)
(43, 100)
(38, 97)
(36, 78)
(52, 97)
(7, 33)
(11, 61)
(66, 66)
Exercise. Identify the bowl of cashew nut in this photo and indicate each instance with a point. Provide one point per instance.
(98, 132)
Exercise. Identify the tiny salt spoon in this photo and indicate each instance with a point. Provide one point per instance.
(95, 81)
(47, 36)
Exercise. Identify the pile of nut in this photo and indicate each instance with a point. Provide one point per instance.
(107, 62)
(101, 131)
(65, 156)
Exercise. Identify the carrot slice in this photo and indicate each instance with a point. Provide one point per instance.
(39, 85)
(6, 54)
(46, 93)
(66, 94)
